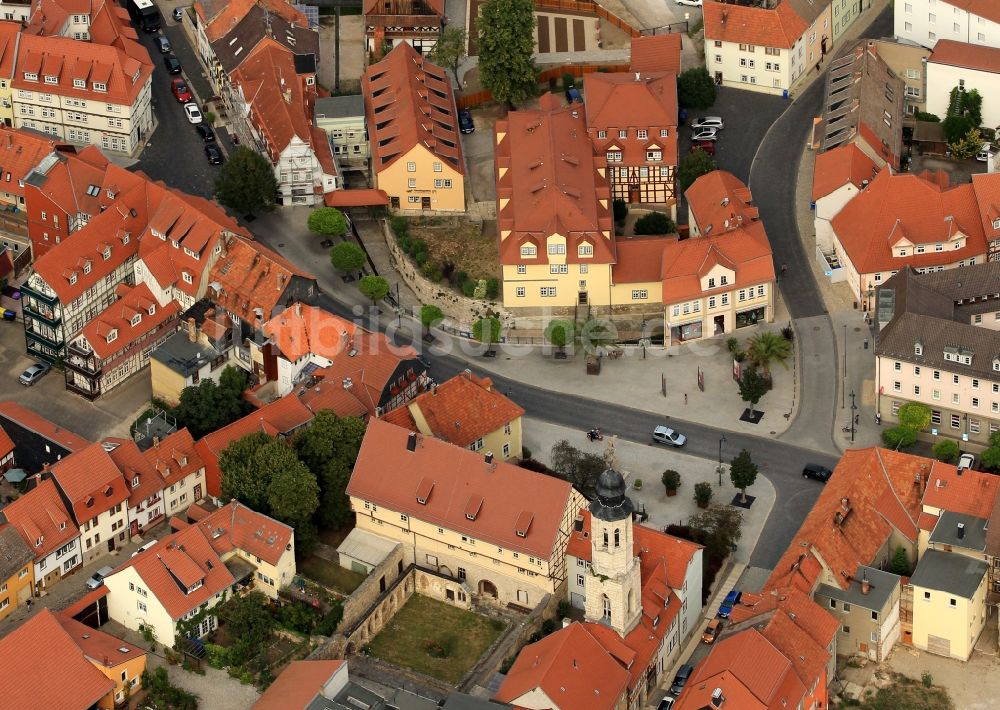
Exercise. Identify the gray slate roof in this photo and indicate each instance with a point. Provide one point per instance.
(340, 106)
(950, 572)
(14, 552)
(182, 356)
(239, 42)
(883, 584)
(946, 531)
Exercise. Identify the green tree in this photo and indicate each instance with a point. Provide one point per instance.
(449, 50)
(246, 183)
(928, 117)
(654, 223)
(246, 473)
(207, 407)
(559, 333)
(293, 497)
(329, 447)
(486, 330)
(766, 347)
(233, 381)
(620, 208)
(915, 416)
(347, 257)
(900, 562)
(580, 468)
(752, 387)
(966, 146)
(990, 458)
(720, 528)
(249, 624)
(506, 45)
(693, 166)
(703, 493)
(696, 89)
(430, 316)
(374, 287)
(946, 450)
(899, 437)
(671, 480)
(956, 127)
(743, 473)
(327, 222)
(597, 333)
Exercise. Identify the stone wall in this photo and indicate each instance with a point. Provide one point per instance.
(359, 604)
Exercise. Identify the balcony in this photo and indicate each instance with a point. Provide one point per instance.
(54, 341)
(41, 312)
(90, 392)
(88, 367)
(29, 292)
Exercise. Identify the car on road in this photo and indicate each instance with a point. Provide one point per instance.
(731, 600)
(144, 547)
(816, 472)
(573, 95)
(712, 631)
(705, 134)
(666, 704)
(172, 64)
(708, 122)
(162, 44)
(707, 146)
(97, 578)
(178, 13)
(681, 679)
(192, 113)
(689, 3)
(180, 90)
(34, 373)
(213, 154)
(966, 461)
(205, 132)
(465, 124)
(666, 435)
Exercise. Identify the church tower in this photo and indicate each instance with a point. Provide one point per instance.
(613, 585)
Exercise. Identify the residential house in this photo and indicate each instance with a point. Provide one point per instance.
(913, 220)
(342, 118)
(839, 175)
(417, 23)
(283, 418)
(908, 62)
(937, 342)
(214, 19)
(949, 603)
(413, 127)
(719, 202)
(172, 588)
(96, 495)
(863, 104)
(20, 152)
(303, 683)
(497, 528)
(632, 121)
(37, 441)
(966, 67)
(44, 524)
(237, 532)
(145, 497)
(117, 343)
(465, 411)
(122, 662)
(925, 22)
(183, 472)
(9, 33)
(17, 583)
(15, 9)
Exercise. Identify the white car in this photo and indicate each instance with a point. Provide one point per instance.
(192, 113)
(689, 3)
(705, 134)
(666, 435)
(966, 461)
(708, 122)
(144, 547)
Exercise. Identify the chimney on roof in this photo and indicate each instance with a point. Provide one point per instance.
(489, 460)
(156, 442)
(192, 330)
(717, 698)
(866, 586)
(638, 76)
(298, 308)
(411, 441)
(961, 531)
(288, 96)
(845, 503)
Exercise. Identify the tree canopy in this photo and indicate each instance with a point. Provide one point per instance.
(506, 44)
(246, 182)
(347, 257)
(693, 166)
(246, 472)
(752, 386)
(654, 223)
(720, 529)
(327, 221)
(559, 332)
(946, 450)
(915, 416)
(210, 406)
(449, 50)
(580, 468)
(766, 347)
(990, 458)
(430, 316)
(250, 626)
(486, 330)
(743, 472)
(329, 447)
(374, 287)
(696, 89)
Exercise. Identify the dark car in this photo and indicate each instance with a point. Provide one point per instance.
(205, 132)
(465, 124)
(731, 600)
(573, 95)
(817, 472)
(213, 154)
(172, 64)
(681, 679)
(162, 44)
(178, 13)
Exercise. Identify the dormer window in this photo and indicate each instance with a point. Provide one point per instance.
(72, 278)
(152, 310)
(51, 79)
(30, 76)
(38, 541)
(98, 86)
(79, 84)
(106, 253)
(187, 278)
(996, 223)
(996, 364)
(585, 250)
(86, 268)
(723, 280)
(918, 348)
(529, 250)
(135, 482)
(112, 336)
(136, 319)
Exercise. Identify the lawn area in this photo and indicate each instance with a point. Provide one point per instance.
(435, 638)
(904, 694)
(329, 574)
(464, 243)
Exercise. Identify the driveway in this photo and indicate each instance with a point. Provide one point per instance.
(478, 149)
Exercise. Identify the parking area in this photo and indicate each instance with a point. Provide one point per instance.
(478, 147)
(959, 172)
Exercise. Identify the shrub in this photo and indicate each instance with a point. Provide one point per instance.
(899, 437)
(400, 226)
(654, 223)
(787, 333)
(671, 480)
(564, 608)
(469, 288)
(568, 80)
(525, 452)
(732, 345)
(461, 278)
(431, 271)
(946, 450)
(492, 288)
(703, 492)
(328, 624)
(216, 656)
(924, 116)
(548, 626)
(620, 210)
(927, 679)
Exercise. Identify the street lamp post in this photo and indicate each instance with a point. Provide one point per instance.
(722, 440)
(854, 408)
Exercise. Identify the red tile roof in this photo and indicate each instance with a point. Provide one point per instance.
(20, 150)
(177, 563)
(967, 493)
(894, 209)
(221, 16)
(98, 647)
(133, 465)
(302, 329)
(31, 652)
(838, 167)
(175, 457)
(115, 321)
(409, 102)
(987, 9)
(987, 189)
(298, 685)
(720, 202)
(91, 482)
(624, 100)
(550, 182)
(459, 411)
(42, 426)
(640, 259)
(967, 56)
(360, 197)
(777, 27)
(388, 474)
(235, 526)
(42, 519)
(656, 53)
(9, 32)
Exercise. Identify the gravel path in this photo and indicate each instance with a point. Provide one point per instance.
(215, 690)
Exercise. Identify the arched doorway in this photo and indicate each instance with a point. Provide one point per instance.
(487, 588)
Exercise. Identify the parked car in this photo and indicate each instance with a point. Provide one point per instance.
(573, 95)
(465, 124)
(711, 631)
(213, 154)
(34, 373)
(192, 113)
(10, 315)
(180, 90)
(666, 435)
(705, 134)
(983, 155)
(707, 146)
(667, 703)
(97, 579)
(681, 679)
(178, 13)
(689, 3)
(145, 547)
(172, 64)
(816, 472)
(205, 132)
(162, 44)
(708, 122)
(731, 600)
(966, 461)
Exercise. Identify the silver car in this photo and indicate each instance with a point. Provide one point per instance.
(34, 373)
(666, 435)
(705, 134)
(708, 122)
(97, 579)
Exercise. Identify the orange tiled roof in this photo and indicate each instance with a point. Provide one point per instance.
(449, 478)
(20, 151)
(967, 493)
(459, 411)
(115, 321)
(221, 16)
(987, 189)
(720, 203)
(99, 647)
(133, 465)
(235, 526)
(640, 259)
(967, 56)
(303, 329)
(745, 250)
(9, 31)
(42, 519)
(905, 207)
(91, 482)
(175, 457)
(838, 167)
(32, 651)
(630, 100)
(656, 53)
(409, 102)
(298, 685)
(75, 182)
(42, 426)
(777, 27)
